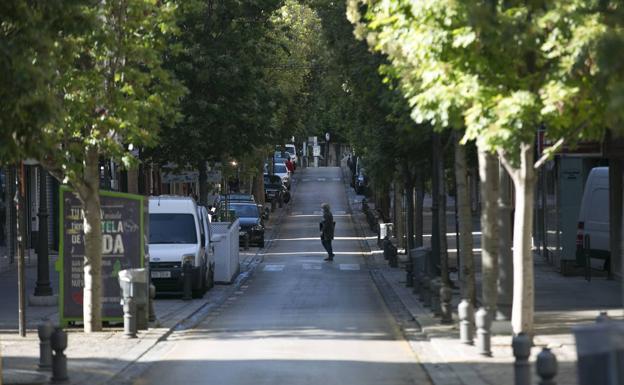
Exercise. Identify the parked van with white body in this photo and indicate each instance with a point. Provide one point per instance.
(206, 219)
(593, 221)
(176, 236)
(290, 147)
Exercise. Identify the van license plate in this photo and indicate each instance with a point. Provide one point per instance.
(161, 274)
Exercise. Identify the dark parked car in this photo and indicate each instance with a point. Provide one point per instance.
(219, 202)
(275, 189)
(250, 220)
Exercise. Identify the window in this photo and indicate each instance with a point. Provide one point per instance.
(172, 228)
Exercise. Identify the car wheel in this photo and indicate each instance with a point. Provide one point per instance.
(199, 292)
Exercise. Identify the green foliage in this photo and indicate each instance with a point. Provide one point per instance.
(500, 68)
(111, 85)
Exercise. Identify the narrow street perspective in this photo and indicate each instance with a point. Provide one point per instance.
(319, 192)
(298, 319)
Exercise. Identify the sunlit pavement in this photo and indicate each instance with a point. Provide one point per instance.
(298, 320)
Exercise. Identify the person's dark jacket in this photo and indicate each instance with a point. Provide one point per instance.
(327, 226)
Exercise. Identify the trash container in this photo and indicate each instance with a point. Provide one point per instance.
(600, 350)
(134, 284)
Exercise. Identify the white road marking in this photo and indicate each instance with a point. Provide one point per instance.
(340, 212)
(336, 179)
(273, 267)
(349, 266)
(305, 180)
(311, 266)
(321, 179)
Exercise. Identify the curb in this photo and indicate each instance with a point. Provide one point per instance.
(190, 320)
(422, 338)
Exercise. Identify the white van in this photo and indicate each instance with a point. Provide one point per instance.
(292, 151)
(206, 220)
(177, 235)
(593, 221)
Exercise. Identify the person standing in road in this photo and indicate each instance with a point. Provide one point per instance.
(327, 231)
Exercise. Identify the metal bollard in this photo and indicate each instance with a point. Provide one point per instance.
(446, 310)
(409, 275)
(152, 297)
(246, 241)
(45, 331)
(130, 322)
(187, 276)
(603, 317)
(521, 345)
(273, 204)
(425, 292)
(546, 367)
(484, 323)
(58, 341)
(466, 315)
(435, 286)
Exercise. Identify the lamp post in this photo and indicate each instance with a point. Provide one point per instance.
(43, 287)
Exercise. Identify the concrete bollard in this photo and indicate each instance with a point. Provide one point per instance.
(152, 297)
(187, 277)
(435, 285)
(483, 322)
(58, 341)
(446, 309)
(603, 317)
(130, 322)
(45, 331)
(466, 315)
(521, 345)
(546, 367)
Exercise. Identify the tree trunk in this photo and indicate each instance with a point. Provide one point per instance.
(435, 206)
(505, 258)
(257, 189)
(89, 194)
(523, 293)
(444, 261)
(203, 183)
(418, 222)
(399, 222)
(465, 244)
(488, 175)
(409, 211)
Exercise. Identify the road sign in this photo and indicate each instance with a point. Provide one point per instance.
(316, 151)
(124, 234)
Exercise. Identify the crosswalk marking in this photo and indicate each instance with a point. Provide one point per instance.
(339, 212)
(349, 266)
(321, 179)
(305, 179)
(311, 266)
(273, 267)
(336, 179)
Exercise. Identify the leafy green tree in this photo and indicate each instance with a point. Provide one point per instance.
(501, 69)
(113, 94)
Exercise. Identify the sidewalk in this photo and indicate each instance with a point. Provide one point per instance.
(561, 302)
(98, 358)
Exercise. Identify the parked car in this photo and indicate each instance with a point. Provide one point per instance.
(177, 236)
(274, 188)
(290, 148)
(281, 171)
(251, 222)
(593, 220)
(219, 202)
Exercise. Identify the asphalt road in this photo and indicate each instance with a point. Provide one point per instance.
(298, 320)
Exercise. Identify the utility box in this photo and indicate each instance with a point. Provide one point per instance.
(600, 350)
(225, 236)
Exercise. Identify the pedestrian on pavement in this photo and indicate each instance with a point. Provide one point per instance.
(327, 231)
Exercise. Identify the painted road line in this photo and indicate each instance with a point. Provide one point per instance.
(349, 266)
(273, 267)
(311, 266)
(321, 179)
